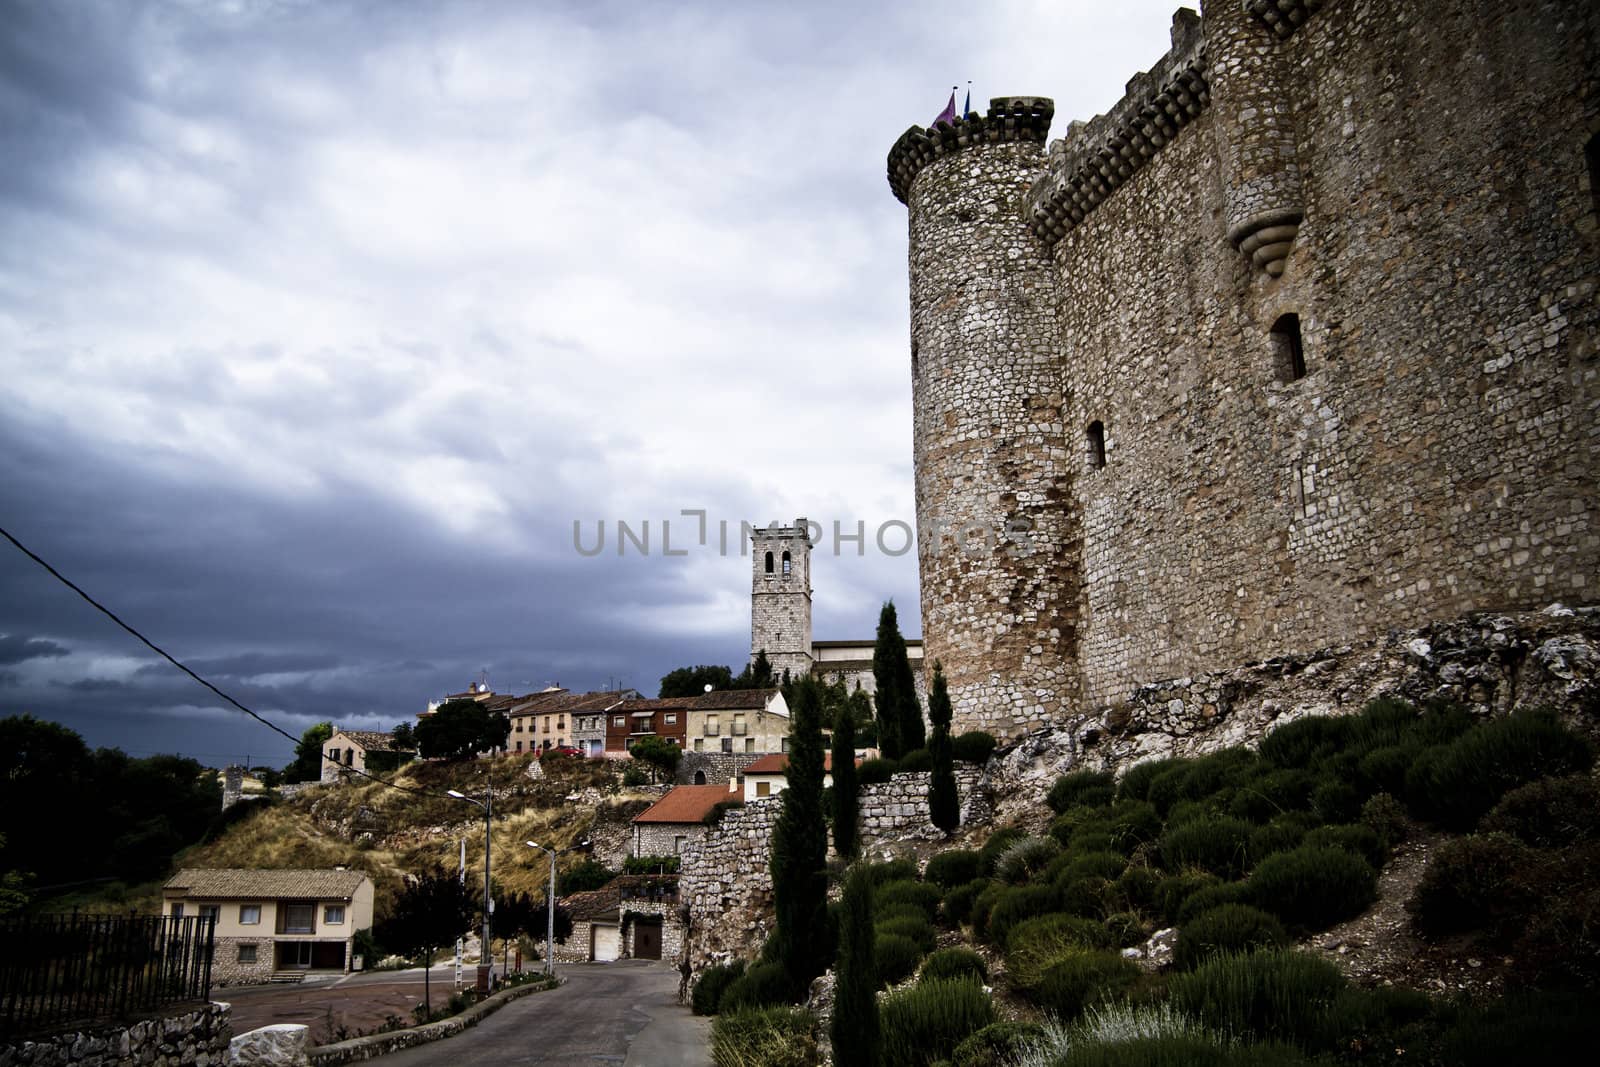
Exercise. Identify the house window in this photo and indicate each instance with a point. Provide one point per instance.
(711, 726)
(670, 720)
(177, 911)
(678, 842)
(769, 563)
(749, 744)
(247, 953)
(299, 918)
(249, 914)
(1288, 354)
(763, 789)
(1097, 444)
(349, 757)
(621, 720)
(211, 911)
(333, 914)
(786, 566)
(519, 746)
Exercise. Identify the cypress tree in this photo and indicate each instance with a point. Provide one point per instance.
(944, 806)
(855, 1005)
(900, 727)
(800, 847)
(846, 802)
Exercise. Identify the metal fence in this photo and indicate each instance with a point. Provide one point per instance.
(58, 971)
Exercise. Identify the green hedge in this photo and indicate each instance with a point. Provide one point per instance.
(1312, 888)
(953, 867)
(925, 1022)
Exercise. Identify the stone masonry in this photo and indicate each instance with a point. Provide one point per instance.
(196, 1038)
(1293, 345)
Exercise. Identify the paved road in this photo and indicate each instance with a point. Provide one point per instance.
(624, 1013)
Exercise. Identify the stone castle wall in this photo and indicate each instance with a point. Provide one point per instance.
(1409, 180)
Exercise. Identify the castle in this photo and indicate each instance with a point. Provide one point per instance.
(1293, 345)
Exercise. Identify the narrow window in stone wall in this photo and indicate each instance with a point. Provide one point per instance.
(786, 565)
(769, 562)
(1287, 351)
(1097, 444)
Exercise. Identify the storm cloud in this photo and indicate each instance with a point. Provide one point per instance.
(322, 323)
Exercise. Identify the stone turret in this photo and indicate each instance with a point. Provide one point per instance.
(780, 597)
(999, 586)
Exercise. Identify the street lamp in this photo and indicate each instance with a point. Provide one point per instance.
(550, 906)
(485, 959)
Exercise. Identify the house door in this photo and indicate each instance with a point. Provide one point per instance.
(605, 942)
(646, 941)
(294, 955)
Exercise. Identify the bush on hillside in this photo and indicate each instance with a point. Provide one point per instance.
(880, 874)
(953, 963)
(875, 771)
(1172, 891)
(762, 985)
(1126, 929)
(1228, 928)
(1212, 896)
(953, 867)
(1073, 983)
(974, 746)
(1283, 833)
(1090, 897)
(996, 846)
(1549, 813)
(1109, 865)
(1013, 906)
(1219, 844)
(1534, 1027)
(984, 904)
(1135, 781)
(914, 928)
(1024, 858)
(1458, 784)
(1133, 822)
(1313, 888)
(996, 1045)
(918, 759)
(772, 1037)
(713, 982)
(1088, 788)
(958, 902)
(1474, 883)
(1136, 887)
(1276, 993)
(1034, 944)
(919, 895)
(896, 957)
(1352, 837)
(925, 1022)
(1386, 817)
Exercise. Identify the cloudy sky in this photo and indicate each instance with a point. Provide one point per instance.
(322, 322)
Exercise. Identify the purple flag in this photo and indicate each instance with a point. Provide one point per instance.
(949, 112)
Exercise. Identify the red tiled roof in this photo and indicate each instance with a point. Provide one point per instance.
(778, 763)
(716, 700)
(563, 701)
(687, 803)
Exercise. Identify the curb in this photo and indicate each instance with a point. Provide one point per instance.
(365, 1048)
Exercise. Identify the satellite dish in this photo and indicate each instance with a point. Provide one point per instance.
(708, 687)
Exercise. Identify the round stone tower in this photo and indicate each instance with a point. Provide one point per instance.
(997, 540)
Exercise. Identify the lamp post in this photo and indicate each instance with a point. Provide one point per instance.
(550, 905)
(485, 959)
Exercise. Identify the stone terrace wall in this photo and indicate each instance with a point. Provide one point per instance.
(194, 1039)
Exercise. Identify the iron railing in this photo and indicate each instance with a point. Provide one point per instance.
(67, 970)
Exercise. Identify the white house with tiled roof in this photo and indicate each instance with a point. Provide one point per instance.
(348, 750)
(274, 922)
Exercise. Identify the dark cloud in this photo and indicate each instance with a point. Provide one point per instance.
(14, 648)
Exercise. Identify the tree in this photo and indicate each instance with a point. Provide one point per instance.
(855, 1005)
(13, 888)
(404, 739)
(760, 672)
(692, 681)
(590, 874)
(458, 729)
(307, 765)
(430, 913)
(846, 801)
(658, 753)
(900, 728)
(944, 806)
(512, 917)
(800, 847)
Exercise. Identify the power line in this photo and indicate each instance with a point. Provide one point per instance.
(158, 650)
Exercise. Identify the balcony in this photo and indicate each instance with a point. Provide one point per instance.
(712, 729)
(740, 729)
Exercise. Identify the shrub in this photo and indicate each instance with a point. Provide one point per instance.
(958, 901)
(1313, 888)
(1362, 840)
(954, 963)
(769, 1037)
(1386, 817)
(913, 928)
(718, 810)
(1270, 992)
(1219, 844)
(1302, 742)
(974, 746)
(1135, 783)
(1108, 865)
(1125, 929)
(1172, 891)
(713, 983)
(919, 895)
(1525, 1027)
(762, 985)
(953, 867)
(901, 870)
(1036, 943)
(1090, 788)
(1271, 792)
(996, 1045)
(1282, 834)
(896, 956)
(1335, 800)
(995, 847)
(1133, 822)
(899, 911)
(1228, 928)
(1473, 883)
(1090, 897)
(1024, 858)
(1550, 812)
(1013, 906)
(1385, 769)
(1073, 983)
(1212, 896)
(984, 904)
(918, 759)
(1137, 887)
(634, 776)
(1457, 785)
(875, 771)
(926, 1022)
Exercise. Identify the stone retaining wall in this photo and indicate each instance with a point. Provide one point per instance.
(196, 1038)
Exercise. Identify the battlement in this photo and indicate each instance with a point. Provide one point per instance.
(1283, 17)
(1010, 118)
(1097, 156)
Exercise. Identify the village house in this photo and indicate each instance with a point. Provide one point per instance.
(665, 827)
(633, 720)
(557, 718)
(288, 922)
(349, 750)
(769, 776)
(633, 916)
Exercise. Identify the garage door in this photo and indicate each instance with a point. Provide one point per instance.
(606, 943)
